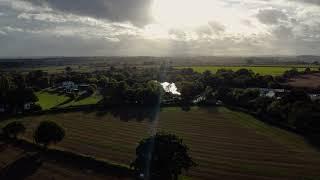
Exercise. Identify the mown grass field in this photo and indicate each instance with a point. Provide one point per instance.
(263, 70)
(93, 99)
(50, 100)
(225, 144)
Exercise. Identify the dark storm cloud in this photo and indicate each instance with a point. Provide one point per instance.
(135, 11)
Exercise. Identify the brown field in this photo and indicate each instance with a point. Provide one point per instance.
(59, 171)
(225, 144)
(307, 80)
(49, 169)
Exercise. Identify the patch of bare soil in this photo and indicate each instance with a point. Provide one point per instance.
(306, 81)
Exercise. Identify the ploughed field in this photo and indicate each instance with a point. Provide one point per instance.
(225, 144)
(263, 70)
(306, 80)
(48, 169)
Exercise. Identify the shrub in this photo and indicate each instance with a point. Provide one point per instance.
(13, 129)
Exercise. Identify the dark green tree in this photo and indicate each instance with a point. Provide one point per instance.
(68, 69)
(48, 132)
(162, 156)
(13, 129)
(307, 70)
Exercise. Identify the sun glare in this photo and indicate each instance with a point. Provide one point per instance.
(193, 14)
(185, 12)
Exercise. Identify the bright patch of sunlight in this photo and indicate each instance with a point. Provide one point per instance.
(187, 12)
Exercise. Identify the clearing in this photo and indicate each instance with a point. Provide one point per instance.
(226, 144)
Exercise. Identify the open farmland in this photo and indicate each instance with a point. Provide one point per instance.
(263, 70)
(307, 80)
(49, 169)
(225, 144)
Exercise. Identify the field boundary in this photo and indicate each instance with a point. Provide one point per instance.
(75, 159)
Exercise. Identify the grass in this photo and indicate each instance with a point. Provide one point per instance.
(226, 144)
(49, 100)
(93, 99)
(263, 70)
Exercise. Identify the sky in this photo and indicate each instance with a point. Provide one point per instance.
(159, 27)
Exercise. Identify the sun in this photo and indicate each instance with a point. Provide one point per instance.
(189, 13)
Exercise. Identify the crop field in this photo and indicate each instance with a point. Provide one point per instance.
(263, 70)
(57, 69)
(225, 144)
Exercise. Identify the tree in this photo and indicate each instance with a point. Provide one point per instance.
(307, 70)
(250, 61)
(162, 156)
(115, 93)
(4, 83)
(291, 73)
(18, 97)
(189, 90)
(13, 129)
(48, 132)
(68, 69)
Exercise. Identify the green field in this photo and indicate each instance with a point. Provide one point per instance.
(225, 144)
(49, 100)
(263, 70)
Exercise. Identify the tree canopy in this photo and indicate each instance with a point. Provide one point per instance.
(48, 132)
(162, 156)
(13, 129)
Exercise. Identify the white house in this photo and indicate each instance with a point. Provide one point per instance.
(314, 97)
(170, 88)
(27, 106)
(69, 86)
(271, 92)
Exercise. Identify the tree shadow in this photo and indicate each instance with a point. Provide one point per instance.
(65, 102)
(83, 96)
(131, 113)
(22, 167)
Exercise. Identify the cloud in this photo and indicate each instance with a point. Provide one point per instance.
(3, 33)
(271, 16)
(216, 27)
(316, 2)
(135, 11)
(125, 27)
